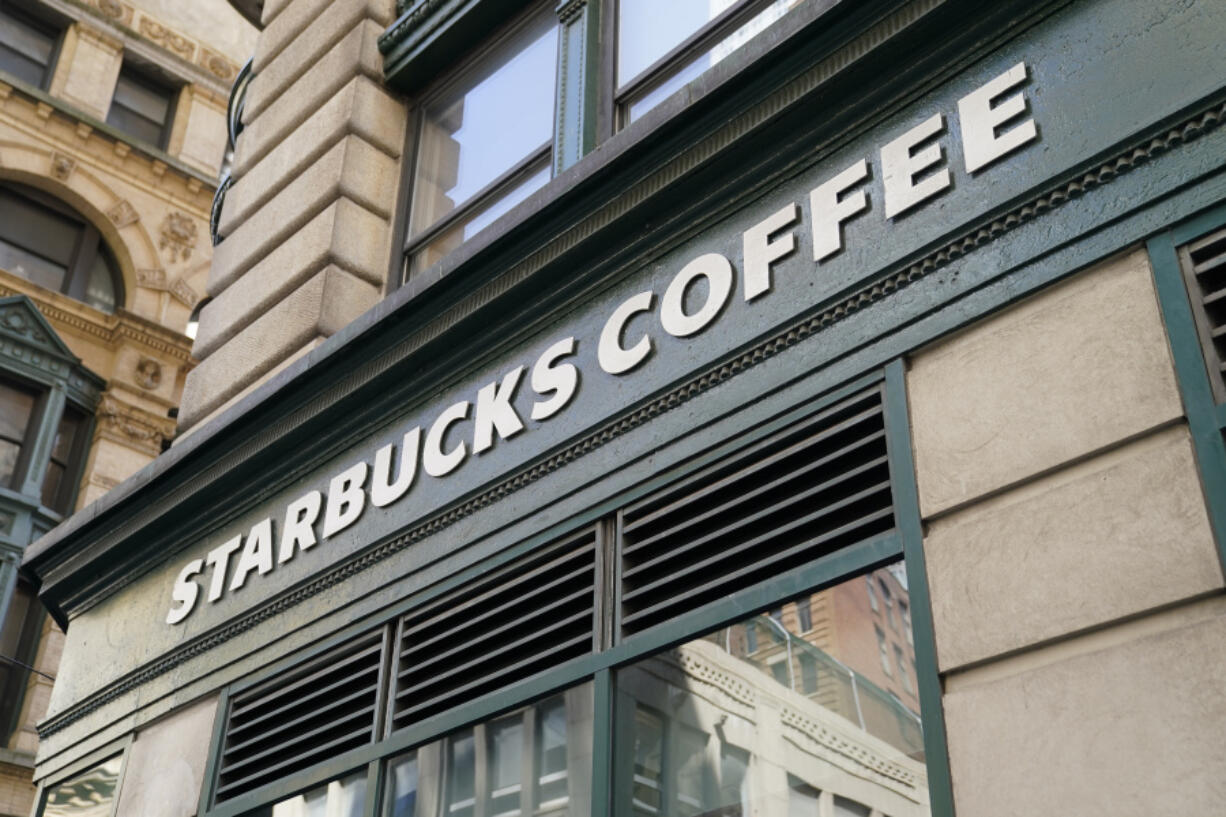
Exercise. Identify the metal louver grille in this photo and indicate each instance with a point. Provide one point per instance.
(1205, 269)
(501, 628)
(314, 713)
(804, 491)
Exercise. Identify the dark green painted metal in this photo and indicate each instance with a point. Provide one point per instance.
(210, 767)
(602, 744)
(579, 79)
(907, 514)
(376, 778)
(1205, 419)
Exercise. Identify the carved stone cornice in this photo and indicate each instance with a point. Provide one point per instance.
(132, 426)
(111, 329)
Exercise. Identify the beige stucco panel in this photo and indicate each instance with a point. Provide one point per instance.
(1133, 729)
(1122, 533)
(1071, 370)
(165, 767)
(205, 136)
(92, 73)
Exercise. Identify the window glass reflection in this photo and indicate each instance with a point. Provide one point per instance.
(499, 115)
(677, 78)
(534, 761)
(86, 795)
(649, 29)
(805, 723)
(340, 798)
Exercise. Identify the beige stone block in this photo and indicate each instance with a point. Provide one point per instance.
(271, 9)
(93, 70)
(352, 168)
(165, 766)
(361, 107)
(357, 53)
(1130, 727)
(313, 26)
(321, 306)
(345, 234)
(1109, 538)
(1077, 367)
(205, 136)
(202, 422)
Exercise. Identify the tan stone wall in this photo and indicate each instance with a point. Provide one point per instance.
(1076, 587)
(152, 209)
(307, 223)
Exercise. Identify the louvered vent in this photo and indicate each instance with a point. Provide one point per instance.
(498, 629)
(312, 714)
(1205, 268)
(802, 492)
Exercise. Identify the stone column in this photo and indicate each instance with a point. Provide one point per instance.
(1076, 592)
(307, 222)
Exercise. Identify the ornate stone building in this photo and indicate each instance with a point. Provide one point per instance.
(112, 135)
(687, 408)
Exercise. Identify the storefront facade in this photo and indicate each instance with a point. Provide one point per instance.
(837, 433)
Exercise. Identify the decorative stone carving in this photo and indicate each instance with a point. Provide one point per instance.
(16, 319)
(178, 234)
(62, 166)
(111, 8)
(221, 68)
(184, 293)
(148, 373)
(122, 213)
(151, 278)
(133, 427)
(168, 39)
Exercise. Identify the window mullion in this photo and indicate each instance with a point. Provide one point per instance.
(41, 434)
(582, 69)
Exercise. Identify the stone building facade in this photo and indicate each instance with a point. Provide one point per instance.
(570, 365)
(112, 135)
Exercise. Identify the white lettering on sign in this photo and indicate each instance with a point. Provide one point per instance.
(913, 171)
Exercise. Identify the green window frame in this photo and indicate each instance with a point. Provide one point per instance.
(903, 542)
(1206, 415)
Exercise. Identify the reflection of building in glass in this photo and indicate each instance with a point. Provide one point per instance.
(714, 735)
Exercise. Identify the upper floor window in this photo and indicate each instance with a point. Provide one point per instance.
(46, 243)
(484, 138)
(27, 46)
(19, 404)
(663, 46)
(141, 106)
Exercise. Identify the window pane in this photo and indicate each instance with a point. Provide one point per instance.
(142, 98)
(649, 29)
(340, 798)
(711, 729)
(36, 228)
(481, 770)
(19, 634)
(494, 118)
(481, 217)
(135, 125)
(86, 795)
(100, 286)
(33, 268)
(25, 50)
(679, 77)
(16, 405)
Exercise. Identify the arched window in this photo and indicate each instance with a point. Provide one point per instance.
(47, 243)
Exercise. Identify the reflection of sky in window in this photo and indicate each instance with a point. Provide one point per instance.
(505, 117)
(649, 29)
(718, 52)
